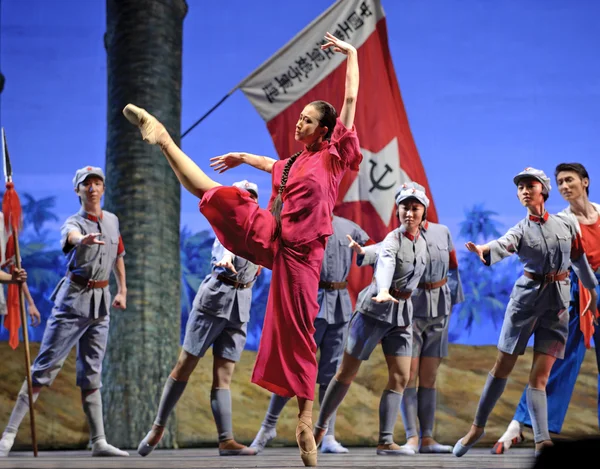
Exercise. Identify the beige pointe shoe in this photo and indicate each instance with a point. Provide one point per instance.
(305, 439)
(152, 130)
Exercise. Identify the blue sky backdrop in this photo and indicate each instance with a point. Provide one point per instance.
(489, 88)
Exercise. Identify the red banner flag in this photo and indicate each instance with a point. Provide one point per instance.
(301, 72)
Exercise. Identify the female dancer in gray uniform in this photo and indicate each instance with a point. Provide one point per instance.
(438, 291)
(219, 318)
(384, 314)
(546, 246)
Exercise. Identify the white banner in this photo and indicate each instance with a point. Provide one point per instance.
(301, 64)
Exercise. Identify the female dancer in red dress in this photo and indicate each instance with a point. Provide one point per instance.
(289, 238)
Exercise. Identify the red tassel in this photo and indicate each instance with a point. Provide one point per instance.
(13, 305)
(12, 322)
(11, 208)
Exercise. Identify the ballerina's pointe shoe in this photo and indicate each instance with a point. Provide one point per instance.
(152, 131)
(306, 443)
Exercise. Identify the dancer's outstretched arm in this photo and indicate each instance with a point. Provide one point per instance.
(222, 163)
(352, 77)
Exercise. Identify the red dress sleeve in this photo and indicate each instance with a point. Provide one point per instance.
(345, 145)
(276, 173)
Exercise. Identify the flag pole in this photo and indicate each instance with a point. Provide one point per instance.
(208, 113)
(11, 206)
(25, 343)
(264, 65)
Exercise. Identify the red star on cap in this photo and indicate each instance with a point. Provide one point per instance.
(89, 168)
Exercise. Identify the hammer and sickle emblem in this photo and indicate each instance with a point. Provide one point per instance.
(376, 182)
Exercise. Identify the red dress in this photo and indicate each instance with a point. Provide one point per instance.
(286, 361)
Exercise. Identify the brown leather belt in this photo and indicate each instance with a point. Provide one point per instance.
(400, 294)
(234, 283)
(79, 280)
(333, 285)
(433, 285)
(548, 278)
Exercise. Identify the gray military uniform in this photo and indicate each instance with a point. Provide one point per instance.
(335, 306)
(432, 304)
(540, 306)
(400, 265)
(80, 315)
(221, 308)
(370, 255)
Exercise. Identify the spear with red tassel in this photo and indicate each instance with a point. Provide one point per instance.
(15, 303)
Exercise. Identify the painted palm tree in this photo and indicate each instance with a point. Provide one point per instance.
(485, 292)
(37, 212)
(195, 265)
(486, 289)
(476, 300)
(143, 44)
(479, 224)
(45, 267)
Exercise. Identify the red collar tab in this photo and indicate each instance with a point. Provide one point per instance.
(541, 220)
(89, 216)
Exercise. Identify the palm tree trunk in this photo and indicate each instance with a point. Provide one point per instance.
(144, 44)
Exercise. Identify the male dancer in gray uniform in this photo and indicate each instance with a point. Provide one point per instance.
(80, 317)
(438, 291)
(384, 314)
(546, 246)
(219, 318)
(330, 327)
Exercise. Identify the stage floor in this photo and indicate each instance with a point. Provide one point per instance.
(272, 458)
